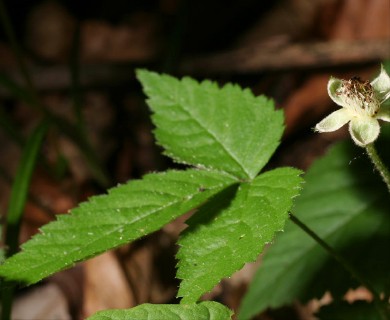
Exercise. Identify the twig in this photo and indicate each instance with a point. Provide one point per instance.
(284, 56)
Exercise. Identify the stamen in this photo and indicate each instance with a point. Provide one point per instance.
(359, 96)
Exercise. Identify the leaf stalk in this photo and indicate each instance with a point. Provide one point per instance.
(378, 164)
(381, 308)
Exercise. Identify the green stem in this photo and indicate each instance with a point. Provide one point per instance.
(7, 295)
(378, 164)
(16, 206)
(345, 264)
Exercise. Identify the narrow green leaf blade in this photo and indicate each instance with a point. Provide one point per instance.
(223, 236)
(2, 253)
(207, 310)
(22, 180)
(128, 212)
(345, 204)
(200, 124)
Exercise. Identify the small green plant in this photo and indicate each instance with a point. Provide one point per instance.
(225, 136)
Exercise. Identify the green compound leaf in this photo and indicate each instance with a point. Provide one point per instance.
(200, 124)
(208, 310)
(347, 206)
(224, 235)
(128, 212)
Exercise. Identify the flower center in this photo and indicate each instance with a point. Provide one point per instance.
(359, 97)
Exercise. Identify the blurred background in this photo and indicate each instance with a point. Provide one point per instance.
(72, 64)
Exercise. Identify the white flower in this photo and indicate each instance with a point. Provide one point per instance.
(363, 104)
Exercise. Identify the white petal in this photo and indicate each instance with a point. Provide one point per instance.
(333, 85)
(381, 85)
(364, 130)
(334, 121)
(384, 113)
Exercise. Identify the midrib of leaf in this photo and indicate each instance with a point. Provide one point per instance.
(255, 207)
(112, 231)
(214, 136)
(107, 234)
(94, 227)
(208, 141)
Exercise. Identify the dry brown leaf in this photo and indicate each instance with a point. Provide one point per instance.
(150, 268)
(105, 285)
(70, 282)
(44, 303)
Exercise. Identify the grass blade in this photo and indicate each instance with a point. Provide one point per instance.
(16, 206)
